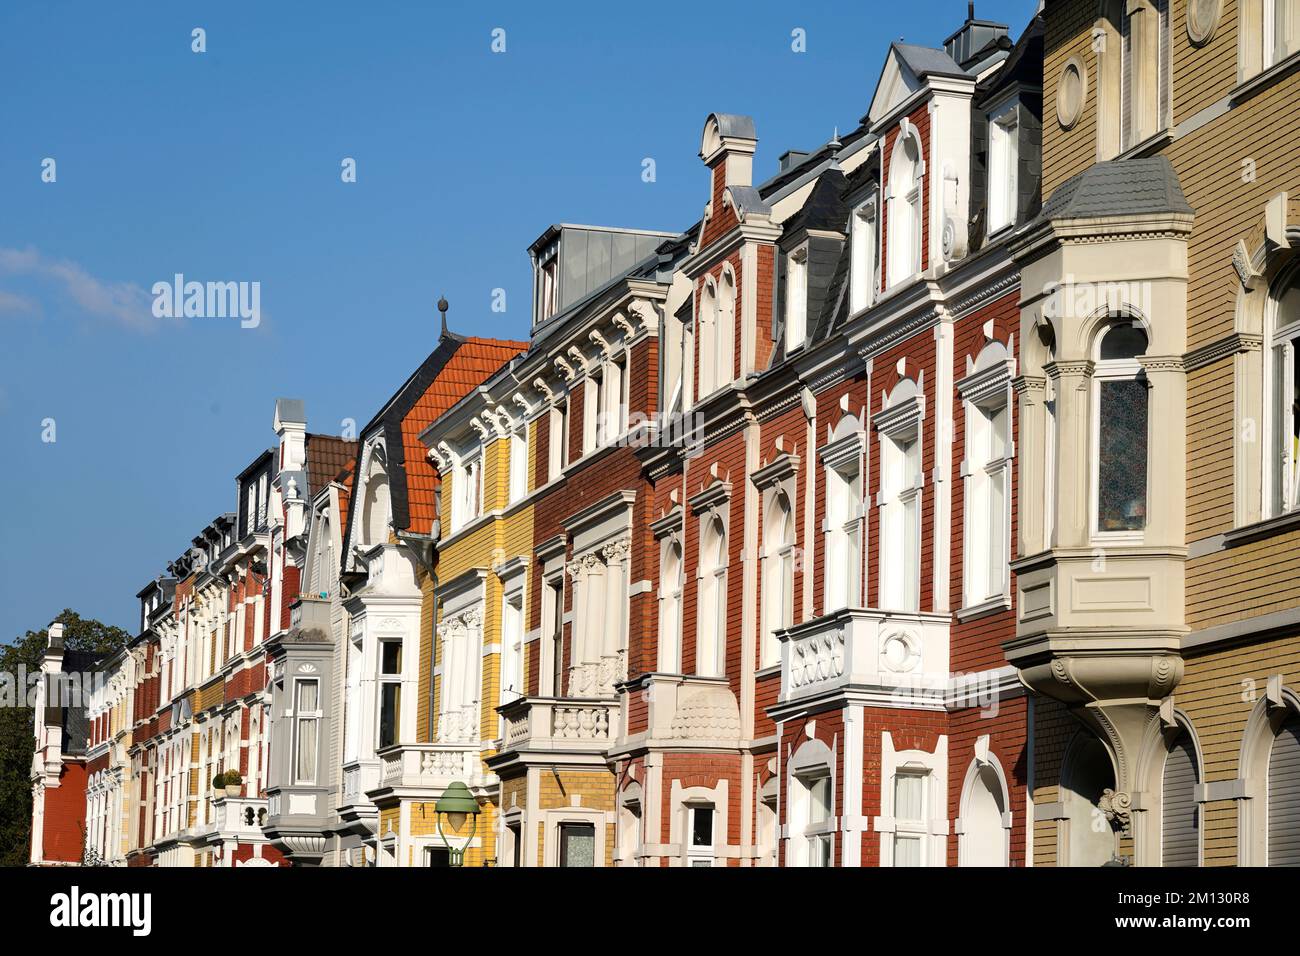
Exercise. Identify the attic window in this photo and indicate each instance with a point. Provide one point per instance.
(1004, 131)
(796, 298)
(863, 276)
(548, 283)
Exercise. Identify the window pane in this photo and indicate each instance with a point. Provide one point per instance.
(1122, 466)
(909, 797)
(907, 851)
(701, 826)
(819, 793)
(997, 531)
(1123, 342)
(390, 701)
(307, 696)
(306, 763)
(391, 657)
(577, 844)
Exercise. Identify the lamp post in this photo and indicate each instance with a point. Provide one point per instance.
(457, 803)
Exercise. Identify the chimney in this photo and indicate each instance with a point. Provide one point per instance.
(973, 36)
(727, 148)
(56, 636)
(291, 428)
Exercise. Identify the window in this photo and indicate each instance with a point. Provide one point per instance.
(593, 416)
(515, 833)
(699, 849)
(390, 692)
(910, 826)
(512, 647)
(903, 226)
(711, 640)
(1004, 133)
(983, 840)
(1144, 71)
(1284, 795)
(306, 721)
(618, 398)
(670, 607)
(988, 514)
(1282, 28)
(1282, 477)
(708, 324)
(437, 856)
(468, 488)
(843, 572)
(796, 298)
(548, 288)
(864, 277)
(558, 458)
(724, 328)
(812, 808)
(778, 575)
(577, 844)
(519, 463)
(1120, 433)
(352, 703)
(555, 620)
(900, 558)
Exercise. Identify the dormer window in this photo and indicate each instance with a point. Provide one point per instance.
(904, 225)
(548, 283)
(1004, 158)
(796, 298)
(863, 274)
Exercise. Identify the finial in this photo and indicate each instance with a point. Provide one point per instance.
(442, 309)
(835, 139)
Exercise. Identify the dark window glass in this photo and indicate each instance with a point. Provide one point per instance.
(389, 704)
(1124, 342)
(702, 826)
(1122, 465)
(557, 639)
(391, 657)
(437, 856)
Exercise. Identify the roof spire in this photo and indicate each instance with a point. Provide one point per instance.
(442, 309)
(970, 9)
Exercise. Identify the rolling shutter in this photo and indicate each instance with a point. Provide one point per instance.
(1284, 796)
(1180, 814)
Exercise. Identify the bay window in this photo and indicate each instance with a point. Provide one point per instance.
(1120, 434)
(390, 693)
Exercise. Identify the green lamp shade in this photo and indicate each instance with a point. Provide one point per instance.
(457, 799)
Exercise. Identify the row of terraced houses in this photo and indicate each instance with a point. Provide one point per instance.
(930, 502)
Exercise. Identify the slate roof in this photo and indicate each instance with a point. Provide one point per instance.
(927, 61)
(1118, 188)
(825, 207)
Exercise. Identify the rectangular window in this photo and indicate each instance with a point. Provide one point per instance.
(593, 404)
(548, 288)
(1122, 455)
(900, 571)
(307, 718)
(909, 819)
(390, 692)
(1285, 28)
(577, 844)
(1284, 374)
(519, 463)
(1003, 160)
(559, 439)
(700, 848)
(796, 299)
(817, 840)
(987, 513)
(512, 647)
(862, 267)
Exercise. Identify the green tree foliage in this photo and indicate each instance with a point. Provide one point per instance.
(17, 730)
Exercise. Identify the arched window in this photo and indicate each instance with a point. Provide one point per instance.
(900, 500)
(843, 571)
(1180, 814)
(1120, 433)
(708, 339)
(670, 607)
(1144, 71)
(903, 225)
(984, 833)
(778, 575)
(712, 610)
(724, 329)
(1282, 383)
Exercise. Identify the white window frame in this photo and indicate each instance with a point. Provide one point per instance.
(864, 278)
(1281, 474)
(904, 254)
(778, 576)
(519, 462)
(670, 606)
(845, 527)
(796, 298)
(300, 718)
(1003, 172)
(1114, 370)
(986, 536)
(701, 856)
(711, 585)
(901, 428)
(383, 679)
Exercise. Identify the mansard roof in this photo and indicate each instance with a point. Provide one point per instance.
(1126, 187)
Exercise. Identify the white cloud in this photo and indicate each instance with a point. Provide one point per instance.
(125, 302)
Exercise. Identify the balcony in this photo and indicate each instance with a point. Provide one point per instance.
(356, 812)
(430, 767)
(884, 656)
(238, 818)
(537, 727)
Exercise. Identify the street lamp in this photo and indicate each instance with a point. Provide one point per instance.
(457, 803)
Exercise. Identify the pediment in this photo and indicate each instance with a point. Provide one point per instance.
(897, 83)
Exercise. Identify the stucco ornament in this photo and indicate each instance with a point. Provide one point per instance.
(1117, 805)
(1202, 20)
(1071, 92)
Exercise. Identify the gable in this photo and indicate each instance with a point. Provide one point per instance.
(897, 83)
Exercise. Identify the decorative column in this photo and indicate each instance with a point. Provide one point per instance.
(1073, 386)
(613, 655)
(1031, 455)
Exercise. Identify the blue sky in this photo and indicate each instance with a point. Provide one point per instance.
(225, 166)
